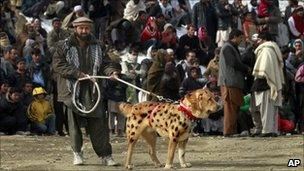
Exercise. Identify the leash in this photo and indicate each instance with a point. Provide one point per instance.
(83, 109)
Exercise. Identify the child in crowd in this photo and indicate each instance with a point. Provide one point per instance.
(4, 85)
(41, 114)
(116, 92)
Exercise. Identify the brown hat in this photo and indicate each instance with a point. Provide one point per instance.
(81, 21)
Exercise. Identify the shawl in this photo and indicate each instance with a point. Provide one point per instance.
(298, 22)
(269, 65)
(263, 9)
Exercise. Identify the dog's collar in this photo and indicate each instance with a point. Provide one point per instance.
(186, 111)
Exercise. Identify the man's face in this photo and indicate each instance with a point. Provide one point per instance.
(194, 74)
(239, 39)
(298, 46)
(83, 32)
(21, 66)
(191, 31)
(56, 25)
(191, 57)
(164, 2)
(13, 54)
(300, 12)
(4, 88)
(80, 13)
(36, 58)
(28, 88)
(15, 97)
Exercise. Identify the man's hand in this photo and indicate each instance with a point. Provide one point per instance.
(81, 75)
(114, 75)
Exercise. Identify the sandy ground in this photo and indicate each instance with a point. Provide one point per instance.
(205, 153)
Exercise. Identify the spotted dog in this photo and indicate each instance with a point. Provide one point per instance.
(170, 120)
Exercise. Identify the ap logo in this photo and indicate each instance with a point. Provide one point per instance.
(294, 163)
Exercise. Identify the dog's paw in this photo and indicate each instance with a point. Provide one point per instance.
(129, 167)
(186, 165)
(168, 166)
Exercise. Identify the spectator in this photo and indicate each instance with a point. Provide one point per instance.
(41, 114)
(183, 67)
(150, 36)
(169, 38)
(268, 85)
(27, 97)
(37, 26)
(190, 83)
(249, 27)
(8, 61)
(115, 93)
(269, 16)
(13, 118)
(162, 7)
(39, 71)
(299, 78)
(56, 34)
(132, 9)
(188, 42)
(54, 9)
(4, 85)
(144, 68)
(139, 25)
(8, 16)
(213, 66)
(231, 80)
(76, 13)
(131, 69)
(99, 13)
(20, 76)
(296, 23)
(204, 15)
(289, 9)
(225, 13)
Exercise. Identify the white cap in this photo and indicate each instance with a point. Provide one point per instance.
(77, 8)
(170, 50)
(167, 25)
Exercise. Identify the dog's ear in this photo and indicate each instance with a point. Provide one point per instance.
(189, 97)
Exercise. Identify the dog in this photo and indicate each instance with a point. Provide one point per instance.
(169, 120)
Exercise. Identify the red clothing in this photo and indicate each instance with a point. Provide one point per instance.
(299, 23)
(150, 31)
(263, 9)
(168, 38)
(249, 29)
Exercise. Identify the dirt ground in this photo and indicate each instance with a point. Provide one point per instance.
(205, 153)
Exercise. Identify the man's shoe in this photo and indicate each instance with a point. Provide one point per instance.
(109, 161)
(78, 158)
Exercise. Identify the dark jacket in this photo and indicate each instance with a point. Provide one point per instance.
(274, 20)
(9, 108)
(115, 91)
(169, 86)
(18, 80)
(204, 15)
(231, 69)
(224, 16)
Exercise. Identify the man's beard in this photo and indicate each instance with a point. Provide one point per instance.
(83, 37)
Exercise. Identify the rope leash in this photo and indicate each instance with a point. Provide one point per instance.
(83, 109)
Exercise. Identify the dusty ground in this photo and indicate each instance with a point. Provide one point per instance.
(205, 153)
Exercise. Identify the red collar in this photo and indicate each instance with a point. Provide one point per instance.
(186, 111)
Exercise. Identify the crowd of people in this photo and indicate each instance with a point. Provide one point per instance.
(250, 56)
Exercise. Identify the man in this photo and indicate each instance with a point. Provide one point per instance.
(204, 15)
(231, 79)
(8, 61)
(20, 76)
(76, 13)
(183, 66)
(53, 38)
(163, 7)
(56, 34)
(267, 86)
(75, 57)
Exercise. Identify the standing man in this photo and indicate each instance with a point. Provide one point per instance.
(267, 86)
(231, 80)
(78, 55)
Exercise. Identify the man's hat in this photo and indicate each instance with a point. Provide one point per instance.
(82, 21)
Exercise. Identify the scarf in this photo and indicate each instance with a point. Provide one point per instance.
(269, 65)
(94, 51)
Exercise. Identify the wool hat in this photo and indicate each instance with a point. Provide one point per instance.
(167, 26)
(82, 21)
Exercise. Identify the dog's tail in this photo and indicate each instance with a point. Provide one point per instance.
(125, 109)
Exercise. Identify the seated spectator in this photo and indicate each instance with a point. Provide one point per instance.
(41, 114)
(20, 76)
(37, 26)
(296, 23)
(170, 82)
(150, 36)
(162, 7)
(8, 60)
(27, 97)
(39, 71)
(132, 9)
(54, 9)
(4, 85)
(12, 113)
(191, 83)
(169, 38)
(299, 78)
(213, 66)
(183, 66)
(77, 12)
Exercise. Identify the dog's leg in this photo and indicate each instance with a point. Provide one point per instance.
(131, 144)
(181, 154)
(151, 137)
(171, 151)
